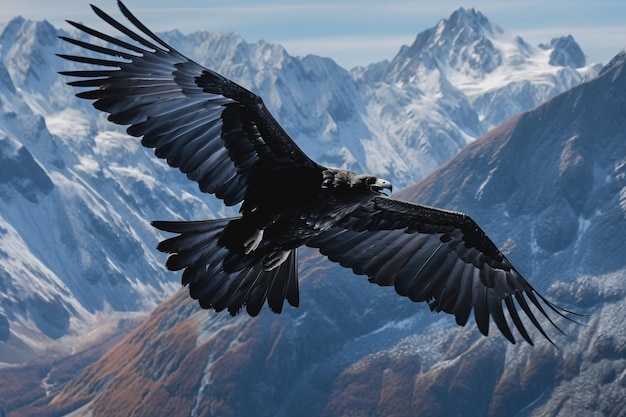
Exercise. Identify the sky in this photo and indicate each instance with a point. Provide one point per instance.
(352, 32)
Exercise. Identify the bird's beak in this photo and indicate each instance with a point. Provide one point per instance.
(381, 185)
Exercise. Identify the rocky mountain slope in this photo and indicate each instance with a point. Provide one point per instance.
(548, 185)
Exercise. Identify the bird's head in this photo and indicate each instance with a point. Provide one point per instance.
(341, 179)
(374, 184)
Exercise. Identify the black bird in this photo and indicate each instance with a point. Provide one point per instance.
(223, 137)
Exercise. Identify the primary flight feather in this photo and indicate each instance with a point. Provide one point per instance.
(223, 137)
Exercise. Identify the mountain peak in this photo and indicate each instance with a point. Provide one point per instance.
(565, 52)
(462, 43)
(28, 49)
(464, 18)
(18, 28)
(10, 28)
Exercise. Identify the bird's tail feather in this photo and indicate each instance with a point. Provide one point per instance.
(201, 251)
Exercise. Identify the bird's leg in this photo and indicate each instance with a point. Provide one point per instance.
(253, 242)
(275, 259)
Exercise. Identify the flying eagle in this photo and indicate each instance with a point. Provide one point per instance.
(223, 137)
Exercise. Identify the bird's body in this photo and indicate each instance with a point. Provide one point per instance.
(222, 136)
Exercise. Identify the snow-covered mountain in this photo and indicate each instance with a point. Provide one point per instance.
(76, 247)
(456, 81)
(549, 184)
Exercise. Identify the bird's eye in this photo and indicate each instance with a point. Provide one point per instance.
(327, 182)
(371, 181)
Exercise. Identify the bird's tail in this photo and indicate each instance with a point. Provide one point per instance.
(222, 278)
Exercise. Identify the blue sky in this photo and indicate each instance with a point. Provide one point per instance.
(352, 32)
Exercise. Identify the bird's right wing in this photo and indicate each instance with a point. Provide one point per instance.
(438, 256)
(212, 129)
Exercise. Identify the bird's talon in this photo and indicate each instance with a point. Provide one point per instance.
(275, 259)
(253, 242)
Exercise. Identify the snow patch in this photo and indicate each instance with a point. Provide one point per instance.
(396, 325)
(69, 124)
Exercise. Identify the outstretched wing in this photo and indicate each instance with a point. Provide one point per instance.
(213, 130)
(438, 256)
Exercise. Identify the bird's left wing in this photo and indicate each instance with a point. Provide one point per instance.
(212, 129)
(438, 256)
